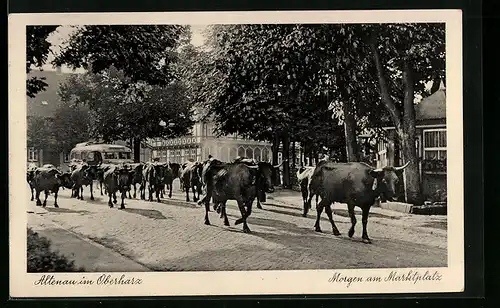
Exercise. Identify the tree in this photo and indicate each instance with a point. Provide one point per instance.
(123, 110)
(37, 52)
(39, 132)
(144, 53)
(406, 57)
(71, 125)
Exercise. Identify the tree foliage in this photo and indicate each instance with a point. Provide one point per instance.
(121, 109)
(71, 125)
(143, 53)
(37, 52)
(39, 132)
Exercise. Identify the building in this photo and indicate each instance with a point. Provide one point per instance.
(202, 142)
(431, 144)
(44, 105)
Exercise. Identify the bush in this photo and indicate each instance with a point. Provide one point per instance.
(42, 259)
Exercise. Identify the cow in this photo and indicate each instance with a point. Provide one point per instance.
(304, 175)
(172, 171)
(236, 181)
(50, 180)
(136, 178)
(30, 177)
(190, 176)
(84, 175)
(152, 176)
(357, 184)
(101, 169)
(261, 194)
(117, 179)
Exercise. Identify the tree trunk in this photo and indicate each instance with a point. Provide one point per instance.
(293, 178)
(310, 157)
(405, 125)
(275, 146)
(286, 156)
(137, 150)
(412, 176)
(350, 132)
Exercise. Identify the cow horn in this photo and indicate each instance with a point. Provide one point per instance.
(378, 170)
(279, 165)
(402, 167)
(253, 167)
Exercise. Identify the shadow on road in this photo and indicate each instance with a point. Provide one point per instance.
(153, 214)
(281, 206)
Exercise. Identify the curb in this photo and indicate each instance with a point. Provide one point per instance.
(397, 207)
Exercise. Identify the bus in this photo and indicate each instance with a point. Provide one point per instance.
(95, 154)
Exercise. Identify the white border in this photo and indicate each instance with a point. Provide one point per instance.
(244, 282)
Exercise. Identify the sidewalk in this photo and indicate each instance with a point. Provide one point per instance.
(87, 254)
(436, 224)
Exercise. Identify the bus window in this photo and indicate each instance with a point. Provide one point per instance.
(124, 155)
(109, 156)
(90, 156)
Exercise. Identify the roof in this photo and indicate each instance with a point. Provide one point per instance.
(45, 103)
(103, 147)
(432, 107)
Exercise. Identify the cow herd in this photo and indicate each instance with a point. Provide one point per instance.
(242, 180)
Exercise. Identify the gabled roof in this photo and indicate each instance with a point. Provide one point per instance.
(45, 103)
(432, 107)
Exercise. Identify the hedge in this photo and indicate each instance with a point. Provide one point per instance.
(42, 259)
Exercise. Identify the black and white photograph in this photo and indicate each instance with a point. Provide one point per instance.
(214, 144)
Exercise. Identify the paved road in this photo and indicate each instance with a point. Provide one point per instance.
(171, 236)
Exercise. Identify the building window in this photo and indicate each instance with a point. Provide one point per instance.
(382, 160)
(32, 154)
(435, 144)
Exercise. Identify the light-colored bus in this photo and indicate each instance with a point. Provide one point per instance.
(95, 154)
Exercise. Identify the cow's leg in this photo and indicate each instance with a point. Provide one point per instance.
(193, 188)
(31, 188)
(81, 192)
(364, 220)
(187, 193)
(226, 221)
(56, 191)
(170, 189)
(92, 190)
(158, 193)
(109, 201)
(38, 202)
(124, 194)
(328, 210)
(100, 185)
(134, 190)
(244, 215)
(207, 209)
(350, 208)
(150, 190)
(46, 196)
(319, 211)
(114, 198)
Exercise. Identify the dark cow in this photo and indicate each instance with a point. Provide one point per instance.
(261, 193)
(30, 178)
(235, 181)
(136, 177)
(357, 184)
(152, 176)
(117, 179)
(84, 175)
(190, 176)
(172, 171)
(50, 180)
(101, 169)
(304, 175)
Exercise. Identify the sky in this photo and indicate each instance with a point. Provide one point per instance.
(63, 32)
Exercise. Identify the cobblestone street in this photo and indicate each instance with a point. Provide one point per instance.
(171, 236)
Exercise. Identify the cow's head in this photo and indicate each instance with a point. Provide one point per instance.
(123, 177)
(386, 180)
(90, 172)
(64, 180)
(265, 175)
(176, 169)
